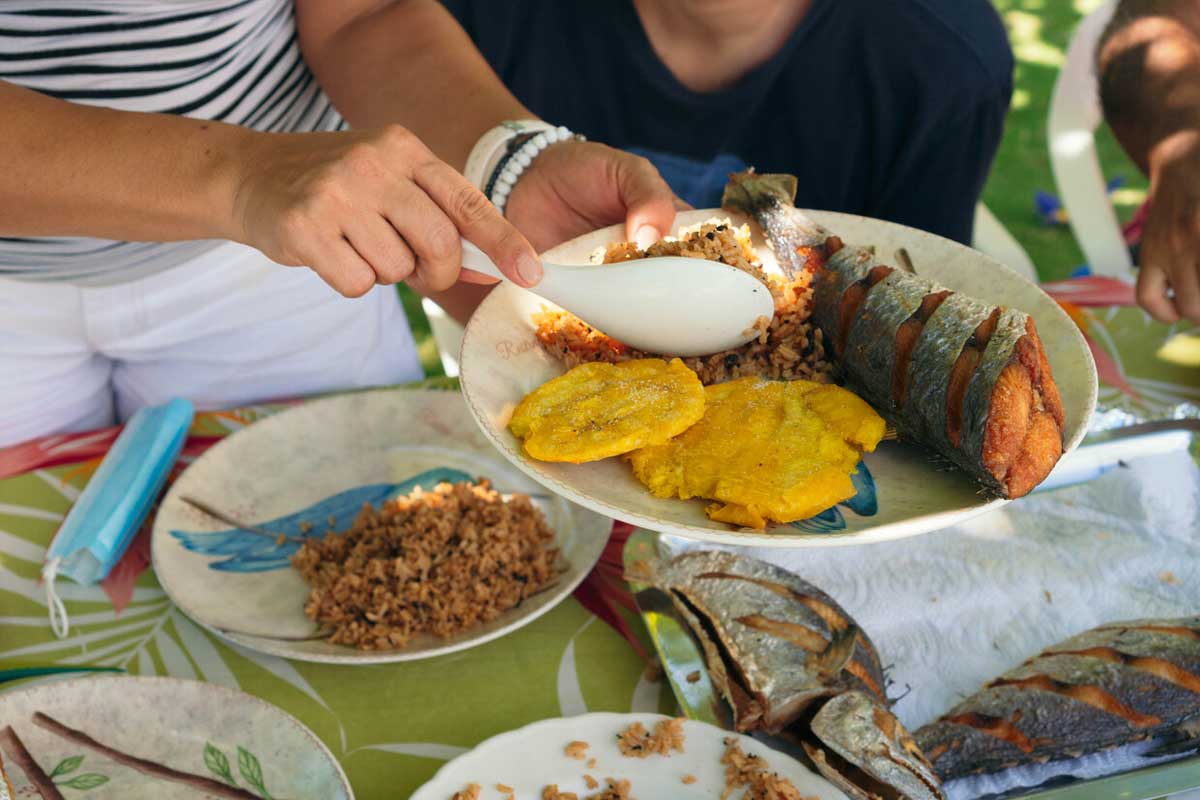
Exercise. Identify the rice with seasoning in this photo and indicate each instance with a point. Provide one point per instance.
(434, 562)
(788, 346)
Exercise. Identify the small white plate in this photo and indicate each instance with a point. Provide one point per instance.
(192, 727)
(902, 490)
(326, 458)
(533, 757)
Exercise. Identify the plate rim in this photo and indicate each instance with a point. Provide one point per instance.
(192, 685)
(354, 657)
(913, 526)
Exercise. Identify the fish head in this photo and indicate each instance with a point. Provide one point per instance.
(859, 746)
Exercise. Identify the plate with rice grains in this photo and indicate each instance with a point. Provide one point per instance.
(364, 528)
(624, 757)
(976, 381)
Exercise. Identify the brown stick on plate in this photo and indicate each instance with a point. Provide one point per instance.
(22, 758)
(199, 782)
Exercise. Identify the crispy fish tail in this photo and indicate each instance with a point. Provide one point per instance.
(798, 242)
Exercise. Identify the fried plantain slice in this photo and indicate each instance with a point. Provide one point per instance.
(599, 410)
(765, 450)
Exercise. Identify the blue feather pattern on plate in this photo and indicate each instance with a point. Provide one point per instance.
(864, 504)
(244, 551)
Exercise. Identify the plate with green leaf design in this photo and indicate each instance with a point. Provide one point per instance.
(158, 739)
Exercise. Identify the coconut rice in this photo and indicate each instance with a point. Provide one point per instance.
(788, 347)
(438, 562)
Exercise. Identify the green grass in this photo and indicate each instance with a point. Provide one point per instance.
(1040, 31)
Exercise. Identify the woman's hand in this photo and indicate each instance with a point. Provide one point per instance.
(370, 207)
(576, 187)
(1170, 253)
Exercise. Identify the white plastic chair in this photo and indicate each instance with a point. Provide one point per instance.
(993, 239)
(1075, 114)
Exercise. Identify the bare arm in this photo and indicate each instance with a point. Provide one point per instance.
(73, 170)
(1149, 68)
(409, 62)
(330, 201)
(406, 62)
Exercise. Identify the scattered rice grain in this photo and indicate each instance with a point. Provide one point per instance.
(749, 771)
(636, 742)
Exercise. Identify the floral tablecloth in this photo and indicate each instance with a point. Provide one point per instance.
(391, 727)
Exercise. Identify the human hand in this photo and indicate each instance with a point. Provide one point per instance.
(1170, 253)
(369, 207)
(575, 187)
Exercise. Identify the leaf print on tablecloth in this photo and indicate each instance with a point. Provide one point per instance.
(244, 551)
(217, 763)
(85, 782)
(66, 766)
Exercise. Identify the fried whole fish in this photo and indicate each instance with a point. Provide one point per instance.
(790, 661)
(967, 378)
(773, 643)
(1113, 685)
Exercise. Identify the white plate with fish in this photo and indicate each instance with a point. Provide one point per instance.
(88, 738)
(284, 482)
(567, 752)
(902, 488)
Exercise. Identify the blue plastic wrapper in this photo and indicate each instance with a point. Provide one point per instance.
(116, 501)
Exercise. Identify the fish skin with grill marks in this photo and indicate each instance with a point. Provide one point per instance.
(959, 375)
(773, 642)
(1110, 686)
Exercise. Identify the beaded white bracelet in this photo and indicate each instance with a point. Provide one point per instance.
(522, 150)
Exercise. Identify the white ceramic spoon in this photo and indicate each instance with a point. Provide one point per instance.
(671, 305)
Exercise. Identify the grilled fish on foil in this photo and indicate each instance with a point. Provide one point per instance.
(1111, 686)
(790, 661)
(962, 376)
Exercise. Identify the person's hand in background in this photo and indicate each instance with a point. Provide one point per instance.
(1171, 239)
(1149, 73)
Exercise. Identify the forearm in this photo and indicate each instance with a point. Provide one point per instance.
(1149, 69)
(410, 63)
(72, 170)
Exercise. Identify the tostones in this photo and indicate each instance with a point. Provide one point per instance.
(599, 410)
(765, 450)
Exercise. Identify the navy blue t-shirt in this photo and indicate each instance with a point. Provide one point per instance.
(887, 108)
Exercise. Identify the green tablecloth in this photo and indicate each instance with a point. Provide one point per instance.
(391, 727)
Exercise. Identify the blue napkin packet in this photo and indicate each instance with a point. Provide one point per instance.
(116, 501)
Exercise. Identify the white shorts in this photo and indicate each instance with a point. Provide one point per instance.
(226, 329)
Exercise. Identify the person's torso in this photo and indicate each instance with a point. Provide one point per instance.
(857, 85)
(231, 60)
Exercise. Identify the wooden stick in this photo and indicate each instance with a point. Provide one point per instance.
(21, 757)
(150, 768)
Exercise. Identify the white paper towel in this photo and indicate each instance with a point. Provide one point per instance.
(950, 610)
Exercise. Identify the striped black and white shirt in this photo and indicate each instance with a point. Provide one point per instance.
(237, 61)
